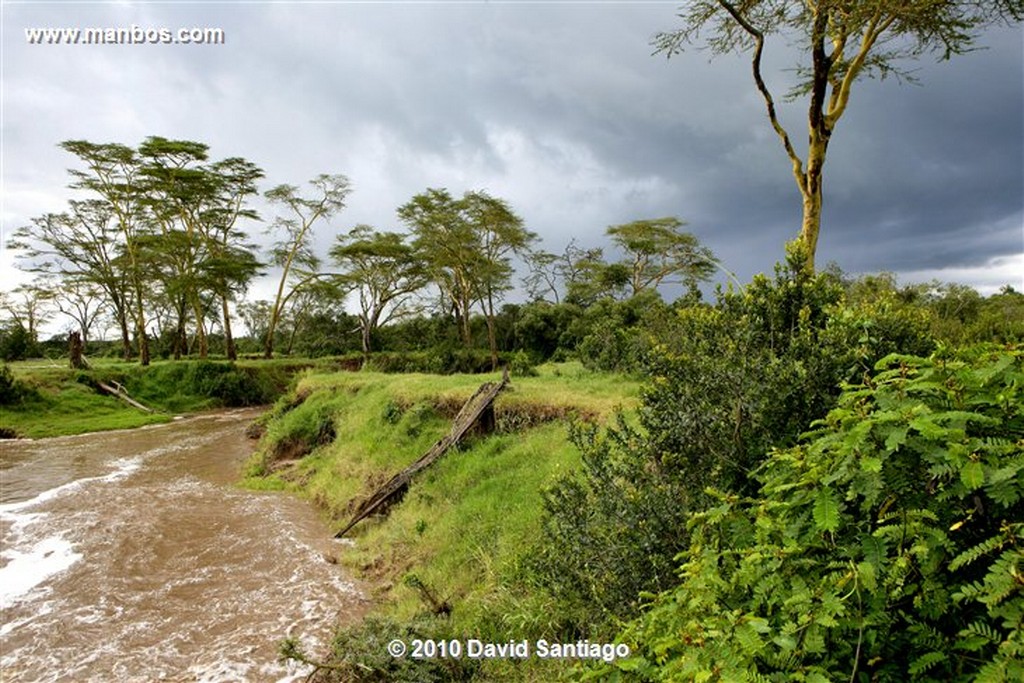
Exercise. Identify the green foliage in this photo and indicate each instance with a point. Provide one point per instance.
(955, 314)
(520, 365)
(12, 390)
(443, 360)
(886, 547)
(1000, 318)
(727, 383)
(542, 328)
(615, 336)
(730, 381)
(611, 534)
(15, 343)
(174, 385)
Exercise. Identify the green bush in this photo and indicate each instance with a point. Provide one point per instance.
(616, 335)
(610, 534)
(222, 384)
(16, 343)
(230, 385)
(12, 390)
(542, 328)
(889, 546)
(520, 364)
(443, 360)
(727, 383)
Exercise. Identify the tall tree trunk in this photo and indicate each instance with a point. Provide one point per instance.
(291, 338)
(811, 189)
(229, 341)
(143, 341)
(492, 339)
(467, 329)
(365, 324)
(126, 338)
(75, 350)
(141, 338)
(810, 227)
(197, 311)
(180, 345)
(275, 316)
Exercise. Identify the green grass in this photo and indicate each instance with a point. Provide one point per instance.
(62, 401)
(466, 525)
(62, 406)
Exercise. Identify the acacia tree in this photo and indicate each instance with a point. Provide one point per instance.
(446, 242)
(501, 234)
(297, 224)
(176, 190)
(842, 40)
(590, 278)
(82, 301)
(113, 174)
(543, 276)
(658, 251)
(233, 263)
(466, 245)
(29, 306)
(383, 270)
(82, 245)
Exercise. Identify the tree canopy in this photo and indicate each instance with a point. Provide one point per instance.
(466, 245)
(383, 270)
(658, 251)
(841, 41)
(295, 225)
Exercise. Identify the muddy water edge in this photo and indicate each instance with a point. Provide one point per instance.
(132, 556)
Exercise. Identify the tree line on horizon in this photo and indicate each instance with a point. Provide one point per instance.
(156, 242)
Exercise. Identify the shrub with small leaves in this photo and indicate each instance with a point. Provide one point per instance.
(13, 390)
(888, 546)
(727, 383)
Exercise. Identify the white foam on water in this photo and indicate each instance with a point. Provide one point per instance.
(27, 565)
(26, 570)
(122, 468)
(42, 610)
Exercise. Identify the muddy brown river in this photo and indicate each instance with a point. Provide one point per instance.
(132, 556)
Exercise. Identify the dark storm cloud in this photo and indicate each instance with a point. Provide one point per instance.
(561, 109)
(933, 175)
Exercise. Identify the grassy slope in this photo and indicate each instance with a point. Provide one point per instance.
(61, 405)
(466, 524)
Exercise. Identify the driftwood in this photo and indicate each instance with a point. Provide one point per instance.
(479, 408)
(120, 393)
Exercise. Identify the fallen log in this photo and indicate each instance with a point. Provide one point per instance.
(479, 404)
(120, 393)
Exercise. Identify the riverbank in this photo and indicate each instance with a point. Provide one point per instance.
(451, 559)
(45, 399)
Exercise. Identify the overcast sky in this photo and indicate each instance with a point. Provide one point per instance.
(559, 108)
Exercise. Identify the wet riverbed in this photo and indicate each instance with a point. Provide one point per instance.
(131, 556)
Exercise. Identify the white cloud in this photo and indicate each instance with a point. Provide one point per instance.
(987, 278)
